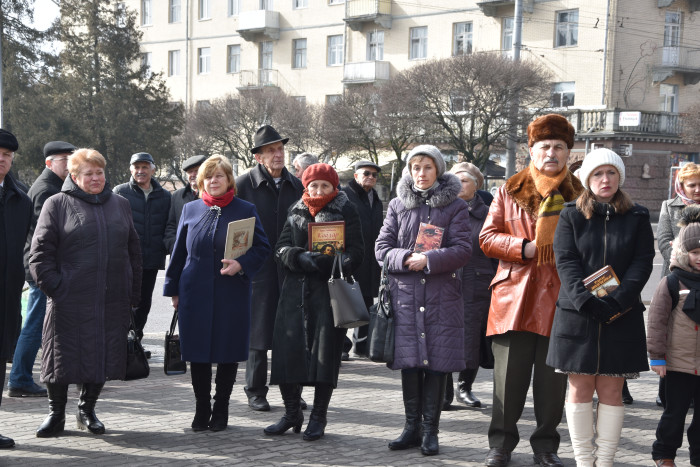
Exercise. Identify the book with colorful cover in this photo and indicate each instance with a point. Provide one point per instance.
(602, 283)
(327, 237)
(429, 237)
(239, 237)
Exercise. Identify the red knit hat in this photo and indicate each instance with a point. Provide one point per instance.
(320, 172)
(550, 126)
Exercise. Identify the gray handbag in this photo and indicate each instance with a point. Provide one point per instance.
(349, 310)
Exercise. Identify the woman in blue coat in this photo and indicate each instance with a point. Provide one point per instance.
(212, 294)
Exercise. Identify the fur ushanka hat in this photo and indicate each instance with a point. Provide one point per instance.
(550, 126)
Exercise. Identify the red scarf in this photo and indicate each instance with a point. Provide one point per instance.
(220, 201)
(316, 204)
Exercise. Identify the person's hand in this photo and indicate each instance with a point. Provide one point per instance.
(175, 301)
(598, 309)
(231, 267)
(416, 262)
(530, 250)
(659, 370)
(306, 262)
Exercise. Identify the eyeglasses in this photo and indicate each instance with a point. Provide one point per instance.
(367, 173)
(59, 159)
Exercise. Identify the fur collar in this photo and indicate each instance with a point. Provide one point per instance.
(521, 187)
(300, 216)
(444, 194)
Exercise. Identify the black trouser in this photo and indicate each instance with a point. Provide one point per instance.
(681, 388)
(3, 370)
(148, 283)
(256, 373)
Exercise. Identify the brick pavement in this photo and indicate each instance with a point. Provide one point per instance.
(148, 424)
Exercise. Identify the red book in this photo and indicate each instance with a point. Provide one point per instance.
(429, 237)
(327, 237)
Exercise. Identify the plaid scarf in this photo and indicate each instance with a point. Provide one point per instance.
(548, 214)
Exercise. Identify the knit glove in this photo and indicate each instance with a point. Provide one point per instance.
(599, 309)
(306, 262)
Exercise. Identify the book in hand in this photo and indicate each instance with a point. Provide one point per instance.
(602, 283)
(429, 237)
(327, 238)
(239, 237)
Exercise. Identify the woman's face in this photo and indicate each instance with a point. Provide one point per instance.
(217, 183)
(90, 179)
(604, 183)
(691, 186)
(423, 171)
(468, 187)
(318, 188)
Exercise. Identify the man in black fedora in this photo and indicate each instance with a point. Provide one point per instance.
(272, 189)
(180, 198)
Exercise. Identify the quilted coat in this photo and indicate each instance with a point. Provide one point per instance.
(428, 305)
(86, 258)
(668, 229)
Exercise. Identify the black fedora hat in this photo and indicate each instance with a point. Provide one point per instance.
(266, 135)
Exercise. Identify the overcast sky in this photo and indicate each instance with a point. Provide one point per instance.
(45, 11)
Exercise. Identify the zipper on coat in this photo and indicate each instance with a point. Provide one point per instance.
(605, 262)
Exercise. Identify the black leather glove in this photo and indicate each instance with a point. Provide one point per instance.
(324, 263)
(598, 309)
(347, 266)
(306, 262)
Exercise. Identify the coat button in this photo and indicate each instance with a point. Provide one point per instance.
(425, 362)
(422, 281)
(422, 335)
(454, 275)
(422, 309)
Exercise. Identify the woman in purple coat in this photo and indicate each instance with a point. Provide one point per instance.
(426, 291)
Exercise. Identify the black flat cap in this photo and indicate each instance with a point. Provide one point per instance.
(142, 157)
(194, 161)
(366, 163)
(8, 140)
(58, 147)
(266, 135)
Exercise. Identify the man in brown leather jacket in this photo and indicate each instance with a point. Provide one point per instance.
(519, 231)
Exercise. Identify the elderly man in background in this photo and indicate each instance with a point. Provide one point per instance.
(302, 161)
(15, 219)
(272, 189)
(21, 383)
(519, 231)
(180, 198)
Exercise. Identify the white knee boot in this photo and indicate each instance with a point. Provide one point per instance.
(579, 418)
(609, 428)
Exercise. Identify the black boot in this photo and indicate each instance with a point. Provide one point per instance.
(225, 377)
(87, 420)
(627, 398)
(449, 392)
(54, 424)
(411, 386)
(317, 420)
(464, 388)
(201, 384)
(433, 396)
(293, 416)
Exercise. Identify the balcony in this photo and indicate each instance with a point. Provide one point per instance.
(490, 7)
(693, 5)
(359, 12)
(682, 61)
(596, 123)
(258, 79)
(252, 25)
(365, 72)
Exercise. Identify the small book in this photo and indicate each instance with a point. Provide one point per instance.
(327, 238)
(239, 237)
(602, 283)
(429, 237)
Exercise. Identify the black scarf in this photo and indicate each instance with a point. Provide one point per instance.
(691, 307)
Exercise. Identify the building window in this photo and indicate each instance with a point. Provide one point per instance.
(175, 9)
(146, 13)
(336, 2)
(204, 54)
(332, 99)
(669, 97)
(204, 9)
(462, 39)
(335, 50)
(234, 59)
(146, 61)
(375, 45)
(266, 5)
(419, 43)
(234, 7)
(203, 105)
(458, 104)
(567, 29)
(563, 94)
(120, 14)
(672, 29)
(300, 4)
(300, 99)
(173, 62)
(299, 53)
(507, 37)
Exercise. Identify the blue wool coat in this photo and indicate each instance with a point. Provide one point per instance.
(213, 310)
(428, 305)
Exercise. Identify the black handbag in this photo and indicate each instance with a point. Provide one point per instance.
(172, 362)
(136, 362)
(381, 326)
(349, 309)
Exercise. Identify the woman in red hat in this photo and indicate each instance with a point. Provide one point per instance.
(306, 346)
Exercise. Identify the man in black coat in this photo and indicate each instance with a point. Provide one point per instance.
(272, 189)
(15, 218)
(21, 383)
(150, 205)
(180, 198)
(363, 195)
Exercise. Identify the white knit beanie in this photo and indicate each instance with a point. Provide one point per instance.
(432, 152)
(595, 159)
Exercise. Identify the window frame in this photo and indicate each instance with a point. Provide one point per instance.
(420, 43)
(463, 36)
(203, 60)
(563, 89)
(233, 7)
(204, 10)
(566, 32)
(147, 60)
(335, 51)
(174, 6)
(229, 59)
(300, 4)
(507, 29)
(665, 96)
(375, 45)
(672, 29)
(174, 62)
(299, 53)
(146, 12)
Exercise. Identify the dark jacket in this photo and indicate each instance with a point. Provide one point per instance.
(213, 309)
(85, 257)
(150, 217)
(46, 185)
(668, 229)
(428, 305)
(578, 342)
(371, 218)
(15, 218)
(307, 346)
(258, 187)
(177, 202)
